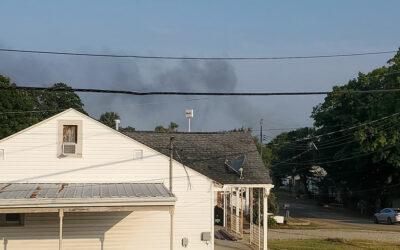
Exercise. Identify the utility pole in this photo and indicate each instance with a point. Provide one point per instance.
(261, 138)
(171, 155)
(171, 211)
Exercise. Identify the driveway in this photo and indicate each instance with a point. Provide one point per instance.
(227, 245)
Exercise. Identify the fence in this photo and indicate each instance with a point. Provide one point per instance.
(256, 236)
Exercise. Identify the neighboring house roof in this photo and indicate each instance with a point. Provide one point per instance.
(208, 153)
(59, 193)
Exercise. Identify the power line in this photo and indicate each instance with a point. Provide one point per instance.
(65, 53)
(152, 93)
(341, 130)
(335, 144)
(31, 111)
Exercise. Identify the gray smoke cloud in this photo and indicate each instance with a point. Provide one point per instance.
(144, 113)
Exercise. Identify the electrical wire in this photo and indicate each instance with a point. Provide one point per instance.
(192, 93)
(65, 53)
(319, 148)
(138, 104)
(31, 111)
(310, 138)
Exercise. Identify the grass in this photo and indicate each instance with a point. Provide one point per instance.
(330, 244)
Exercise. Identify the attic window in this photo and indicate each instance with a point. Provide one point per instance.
(70, 133)
(70, 138)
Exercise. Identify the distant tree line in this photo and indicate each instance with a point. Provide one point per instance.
(20, 109)
(362, 164)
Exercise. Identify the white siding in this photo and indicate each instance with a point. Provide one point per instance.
(31, 156)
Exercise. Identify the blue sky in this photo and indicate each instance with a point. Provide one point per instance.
(201, 28)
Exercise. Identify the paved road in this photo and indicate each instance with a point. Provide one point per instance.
(332, 223)
(327, 223)
(331, 218)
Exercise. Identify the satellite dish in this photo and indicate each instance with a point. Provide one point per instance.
(236, 165)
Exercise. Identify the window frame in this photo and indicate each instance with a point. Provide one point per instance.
(3, 220)
(138, 151)
(79, 141)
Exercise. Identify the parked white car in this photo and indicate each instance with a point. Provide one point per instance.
(388, 215)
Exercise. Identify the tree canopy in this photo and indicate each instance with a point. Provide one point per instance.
(20, 109)
(372, 168)
(362, 156)
(108, 118)
(172, 127)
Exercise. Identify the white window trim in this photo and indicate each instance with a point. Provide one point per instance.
(136, 151)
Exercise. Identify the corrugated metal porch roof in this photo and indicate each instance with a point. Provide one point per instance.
(82, 190)
(83, 194)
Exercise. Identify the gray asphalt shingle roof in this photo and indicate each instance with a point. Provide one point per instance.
(207, 153)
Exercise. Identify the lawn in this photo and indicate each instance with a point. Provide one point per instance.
(330, 244)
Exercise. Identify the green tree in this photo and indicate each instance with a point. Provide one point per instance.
(14, 107)
(287, 149)
(371, 170)
(59, 97)
(172, 127)
(20, 109)
(127, 129)
(108, 118)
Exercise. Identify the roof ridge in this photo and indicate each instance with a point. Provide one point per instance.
(183, 132)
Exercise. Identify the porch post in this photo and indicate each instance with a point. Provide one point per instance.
(251, 212)
(242, 208)
(231, 204)
(171, 233)
(237, 210)
(225, 207)
(212, 215)
(60, 216)
(247, 203)
(265, 217)
(259, 219)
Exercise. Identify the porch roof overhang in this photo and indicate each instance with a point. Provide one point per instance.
(84, 197)
(227, 187)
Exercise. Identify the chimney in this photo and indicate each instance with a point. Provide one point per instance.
(117, 122)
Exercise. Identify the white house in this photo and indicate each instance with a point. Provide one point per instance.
(70, 182)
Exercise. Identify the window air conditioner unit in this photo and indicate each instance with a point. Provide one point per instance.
(69, 148)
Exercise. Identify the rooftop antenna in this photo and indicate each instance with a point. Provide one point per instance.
(189, 115)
